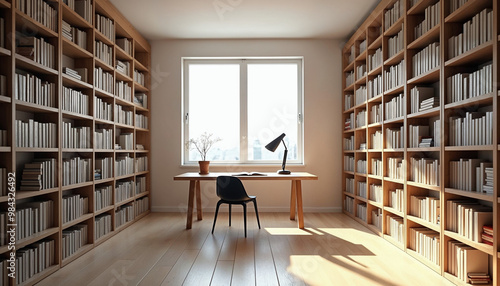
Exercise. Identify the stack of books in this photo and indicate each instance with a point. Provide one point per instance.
(429, 103)
(66, 30)
(478, 278)
(122, 67)
(75, 35)
(77, 73)
(487, 235)
(38, 175)
(488, 186)
(426, 142)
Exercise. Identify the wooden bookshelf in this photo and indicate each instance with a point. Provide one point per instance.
(75, 51)
(469, 60)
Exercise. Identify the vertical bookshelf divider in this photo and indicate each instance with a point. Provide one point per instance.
(72, 205)
(430, 99)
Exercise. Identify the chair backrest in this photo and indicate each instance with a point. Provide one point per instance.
(230, 189)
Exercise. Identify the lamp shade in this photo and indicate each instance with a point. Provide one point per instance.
(275, 143)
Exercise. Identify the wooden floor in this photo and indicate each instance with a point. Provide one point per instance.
(332, 250)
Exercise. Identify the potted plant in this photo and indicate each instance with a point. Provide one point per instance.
(203, 144)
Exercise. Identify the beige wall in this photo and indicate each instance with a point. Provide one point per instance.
(322, 119)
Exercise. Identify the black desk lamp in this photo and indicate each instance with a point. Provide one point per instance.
(272, 147)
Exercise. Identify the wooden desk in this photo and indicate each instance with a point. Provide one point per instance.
(295, 192)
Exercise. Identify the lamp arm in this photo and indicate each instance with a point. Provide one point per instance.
(283, 165)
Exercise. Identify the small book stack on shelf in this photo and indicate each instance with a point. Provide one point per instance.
(487, 235)
(396, 199)
(141, 164)
(74, 35)
(141, 205)
(123, 67)
(77, 73)
(39, 175)
(76, 137)
(126, 141)
(422, 98)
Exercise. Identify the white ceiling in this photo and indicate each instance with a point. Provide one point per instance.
(245, 19)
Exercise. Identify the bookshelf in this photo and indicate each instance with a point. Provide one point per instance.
(431, 71)
(74, 87)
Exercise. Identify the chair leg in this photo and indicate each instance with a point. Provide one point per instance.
(256, 211)
(245, 217)
(215, 218)
(230, 214)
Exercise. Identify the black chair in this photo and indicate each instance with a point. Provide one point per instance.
(230, 190)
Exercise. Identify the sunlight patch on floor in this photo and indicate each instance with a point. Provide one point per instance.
(292, 231)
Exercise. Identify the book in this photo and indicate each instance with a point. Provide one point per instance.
(250, 174)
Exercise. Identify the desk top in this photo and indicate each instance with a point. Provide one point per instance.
(268, 176)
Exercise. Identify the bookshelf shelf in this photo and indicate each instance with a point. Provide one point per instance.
(74, 186)
(73, 50)
(104, 210)
(4, 52)
(4, 4)
(394, 242)
(140, 88)
(428, 38)
(361, 57)
(422, 222)
(122, 55)
(349, 67)
(477, 245)
(349, 88)
(101, 37)
(469, 9)
(395, 59)
(418, 150)
(430, 76)
(478, 101)
(73, 115)
(423, 260)
(25, 63)
(5, 149)
(349, 194)
(394, 91)
(101, 181)
(29, 24)
(39, 150)
(74, 18)
(123, 102)
(393, 211)
(103, 65)
(32, 107)
(81, 251)
(424, 186)
(375, 125)
(39, 276)
(69, 81)
(36, 237)
(103, 238)
(103, 93)
(141, 173)
(394, 180)
(420, 6)
(123, 77)
(78, 220)
(472, 195)
(469, 148)
(395, 120)
(5, 99)
(480, 53)
(75, 150)
(394, 28)
(141, 195)
(124, 202)
(30, 194)
(426, 113)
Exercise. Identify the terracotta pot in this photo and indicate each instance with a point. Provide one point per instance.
(204, 167)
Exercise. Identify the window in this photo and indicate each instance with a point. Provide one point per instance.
(246, 103)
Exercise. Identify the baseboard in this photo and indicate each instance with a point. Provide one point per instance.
(250, 209)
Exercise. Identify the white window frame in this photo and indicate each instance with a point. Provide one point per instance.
(243, 62)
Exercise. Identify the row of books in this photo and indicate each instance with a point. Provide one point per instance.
(126, 141)
(349, 78)
(30, 88)
(349, 143)
(124, 165)
(75, 35)
(82, 8)
(377, 140)
(103, 139)
(102, 225)
(432, 14)
(103, 80)
(377, 218)
(417, 133)
(377, 167)
(422, 98)
(361, 166)
(395, 108)
(396, 199)
(362, 46)
(349, 204)
(123, 67)
(426, 208)
(103, 197)
(455, 4)
(104, 52)
(103, 110)
(123, 90)
(34, 259)
(362, 146)
(34, 8)
(123, 215)
(475, 32)
(394, 138)
(39, 175)
(124, 190)
(361, 211)
(395, 228)
(123, 116)
(105, 26)
(395, 44)
(375, 60)
(141, 99)
(139, 78)
(424, 171)
(75, 101)
(36, 49)
(396, 168)
(376, 114)
(140, 185)
(360, 95)
(76, 170)
(375, 86)
(349, 185)
(34, 134)
(360, 71)
(377, 193)
(427, 59)
(425, 242)
(125, 44)
(76, 73)
(3, 138)
(464, 260)
(393, 14)
(141, 206)
(395, 76)
(362, 191)
(463, 174)
(3, 85)
(361, 119)
(349, 163)
(475, 129)
(352, 54)
(462, 86)
(73, 207)
(467, 218)
(33, 217)
(349, 122)
(103, 168)
(73, 239)
(76, 137)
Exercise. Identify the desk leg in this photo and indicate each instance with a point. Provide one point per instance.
(198, 201)
(300, 211)
(293, 202)
(189, 221)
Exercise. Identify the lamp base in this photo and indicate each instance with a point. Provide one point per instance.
(283, 172)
